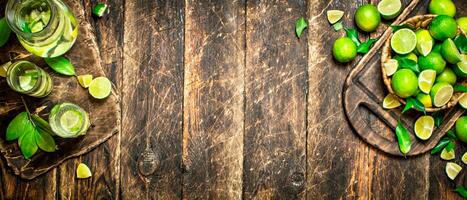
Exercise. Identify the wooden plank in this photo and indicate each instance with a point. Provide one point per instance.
(276, 95)
(213, 100)
(152, 101)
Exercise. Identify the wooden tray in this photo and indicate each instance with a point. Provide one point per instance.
(364, 91)
(104, 114)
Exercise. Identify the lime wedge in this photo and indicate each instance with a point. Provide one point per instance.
(403, 41)
(424, 127)
(426, 79)
(391, 66)
(83, 171)
(389, 9)
(461, 68)
(450, 52)
(464, 158)
(100, 88)
(425, 99)
(441, 93)
(334, 15)
(448, 155)
(424, 42)
(390, 102)
(71, 120)
(463, 101)
(452, 170)
(85, 80)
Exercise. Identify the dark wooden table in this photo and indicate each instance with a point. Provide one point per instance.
(220, 100)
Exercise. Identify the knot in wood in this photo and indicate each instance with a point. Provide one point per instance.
(296, 182)
(148, 162)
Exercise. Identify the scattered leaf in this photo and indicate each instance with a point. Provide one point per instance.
(61, 65)
(5, 32)
(28, 144)
(366, 46)
(438, 117)
(440, 146)
(413, 103)
(403, 138)
(461, 43)
(353, 35)
(44, 140)
(18, 126)
(406, 63)
(99, 9)
(398, 27)
(300, 25)
(460, 88)
(461, 190)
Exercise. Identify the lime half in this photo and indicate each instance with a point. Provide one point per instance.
(100, 88)
(403, 41)
(426, 79)
(441, 93)
(25, 82)
(424, 127)
(452, 170)
(450, 52)
(463, 101)
(390, 66)
(389, 9)
(334, 15)
(424, 41)
(464, 158)
(448, 155)
(461, 68)
(72, 120)
(83, 171)
(85, 80)
(390, 102)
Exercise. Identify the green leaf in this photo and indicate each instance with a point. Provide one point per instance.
(460, 88)
(25, 27)
(300, 25)
(461, 190)
(451, 145)
(451, 135)
(413, 103)
(28, 144)
(440, 146)
(398, 27)
(45, 141)
(99, 9)
(42, 124)
(5, 32)
(366, 46)
(338, 26)
(461, 43)
(19, 126)
(405, 63)
(61, 65)
(353, 35)
(438, 117)
(403, 138)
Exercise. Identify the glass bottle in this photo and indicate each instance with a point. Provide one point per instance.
(46, 28)
(68, 120)
(27, 78)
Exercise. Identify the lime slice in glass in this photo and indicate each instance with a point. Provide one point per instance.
(100, 88)
(441, 93)
(25, 82)
(389, 9)
(334, 15)
(424, 127)
(463, 101)
(83, 171)
(85, 80)
(72, 121)
(426, 79)
(448, 155)
(391, 101)
(390, 66)
(424, 41)
(450, 52)
(452, 170)
(403, 41)
(464, 158)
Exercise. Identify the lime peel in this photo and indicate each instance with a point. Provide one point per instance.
(83, 171)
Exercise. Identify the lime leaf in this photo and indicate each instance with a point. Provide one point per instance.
(44, 140)
(450, 146)
(5, 32)
(338, 26)
(99, 9)
(353, 35)
(42, 124)
(440, 146)
(461, 43)
(460, 88)
(415, 104)
(300, 25)
(366, 46)
(398, 27)
(406, 63)
(19, 126)
(403, 138)
(438, 116)
(61, 65)
(28, 144)
(461, 190)
(451, 135)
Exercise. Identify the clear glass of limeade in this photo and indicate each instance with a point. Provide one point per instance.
(27, 78)
(68, 120)
(46, 28)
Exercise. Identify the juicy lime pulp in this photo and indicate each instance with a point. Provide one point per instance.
(403, 41)
(100, 88)
(424, 41)
(72, 121)
(389, 9)
(334, 15)
(390, 102)
(424, 127)
(85, 80)
(83, 171)
(390, 66)
(448, 155)
(426, 79)
(452, 170)
(441, 93)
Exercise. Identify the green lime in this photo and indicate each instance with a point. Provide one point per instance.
(448, 155)
(424, 41)
(334, 15)
(391, 101)
(404, 83)
(442, 7)
(441, 93)
(83, 171)
(424, 127)
(443, 27)
(390, 66)
(447, 76)
(452, 170)
(85, 80)
(432, 61)
(460, 69)
(425, 99)
(390, 9)
(450, 52)
(403, 41)
(463, 101)
(367, 18)
(461, 128)
(344, 50)
(426, 79)
(437, 48)
(100, 88)
(462, 22)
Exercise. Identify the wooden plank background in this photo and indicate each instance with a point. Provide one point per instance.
(220, 100)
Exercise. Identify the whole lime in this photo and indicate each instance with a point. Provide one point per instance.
(404, 83)
(443, 27)
(367, 17)
(442, 7)
(344, 50)
(461, 128)
(432, 61)
(447, 76)
(462, 22)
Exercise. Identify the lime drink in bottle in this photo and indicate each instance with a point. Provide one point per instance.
(68, 120)
(27, 78)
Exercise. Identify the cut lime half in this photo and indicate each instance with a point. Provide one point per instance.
(391, 101)
(389, 9)
(424, 127)
(334, 15)
(72, 121)
(464, 158)
(83, 171)
(390, 66)
(441, 93)
(100, 88)
(450, 52)
(463, 101)
(448, 155)
(85, 80)
(452, 170)
(424, 41)
(403, 41)
(426, 79)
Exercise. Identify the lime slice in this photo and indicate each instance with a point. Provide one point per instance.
(424, 42)
(25, 82)
(403, 41)
(100, 88)
(71, 120)
(389, 9)
(412, 56)
(452, 170)
(83, 171)
(390, 66)
(441, 93)
(426, 79)
(463, 101)
(448, 155)
(464, 158)
(334, 15)
(450, 52)
(391, 101)
(85, 80)
(424, 127)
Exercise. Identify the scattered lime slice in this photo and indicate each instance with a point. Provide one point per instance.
(391, 67)
(391, 101)
(463, 101)
(450, 52)
(452, 170)
(403, 41)
(464, 158)
(424, 41)
(85, 80)
(426, 79)
(389, 9)
(424, 127)
(334, 15)
(100, 88)
(83, 171)
(441, 93)
(448, 155)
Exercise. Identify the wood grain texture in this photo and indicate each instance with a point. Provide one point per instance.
(275, 95)
(213, 100)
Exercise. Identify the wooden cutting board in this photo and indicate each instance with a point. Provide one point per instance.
(104, 114)
(364, 92)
